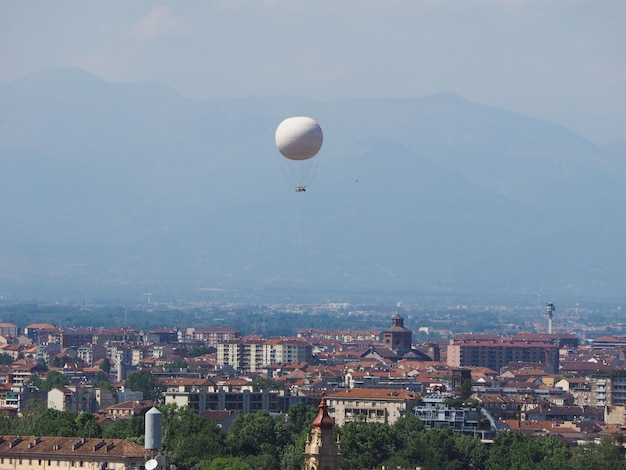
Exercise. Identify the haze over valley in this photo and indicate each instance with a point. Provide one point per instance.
(112, 190)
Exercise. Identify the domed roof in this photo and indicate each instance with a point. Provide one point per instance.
(323, 419)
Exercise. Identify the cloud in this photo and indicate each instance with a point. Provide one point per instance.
(161, 21)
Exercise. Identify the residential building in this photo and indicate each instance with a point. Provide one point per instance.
(13, 398)
(76, 337)
(212, 336)
(609, 342)
(80, 398)
(578, 387)
(41, 453)
(608, 388)
(8, 329)
(495, 354)
(253, 355)
(374, 404)
(436, 413)
(91, 353)
(128, 409)
(40, 332)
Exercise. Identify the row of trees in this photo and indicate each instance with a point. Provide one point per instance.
(260, 441)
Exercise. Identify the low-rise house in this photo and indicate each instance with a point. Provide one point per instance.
(29, 452)
(128, 409)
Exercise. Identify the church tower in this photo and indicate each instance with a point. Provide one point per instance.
(398, 338)
(321, 451)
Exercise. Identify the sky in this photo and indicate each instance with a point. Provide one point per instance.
(559, 60)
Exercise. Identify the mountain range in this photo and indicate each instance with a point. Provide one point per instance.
(114, 190)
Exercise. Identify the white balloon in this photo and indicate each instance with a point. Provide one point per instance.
(299, 138)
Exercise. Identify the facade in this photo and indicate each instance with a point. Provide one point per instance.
(579, 388)
(8, 329)
(609, 342)
(41, 453)
(343, 336)
(374, 404)
(91, 353)
(213, 336)
(255, 355)
(13, 398)
(128, 409)
(41, 332)
(80, 398)
(472, 421)
(202, 395)
(286, 350)
(497, 354)
(321, 451)
(608, 388)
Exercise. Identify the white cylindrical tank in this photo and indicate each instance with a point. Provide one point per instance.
(154, 429)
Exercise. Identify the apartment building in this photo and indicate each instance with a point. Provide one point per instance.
(202, 395)
(374, 404)
(80, 398)
(495, 354)
(211, 336)
(8, 329)
(253, 355)
(474, 421)
(608, 388)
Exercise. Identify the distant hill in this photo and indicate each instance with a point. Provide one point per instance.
(112, 190)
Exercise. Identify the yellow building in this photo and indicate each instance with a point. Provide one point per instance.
(321, 451)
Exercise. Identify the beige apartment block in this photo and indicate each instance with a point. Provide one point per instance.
(379, 405)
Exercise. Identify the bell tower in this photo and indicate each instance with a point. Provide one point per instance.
(321, 451)
(398, 338)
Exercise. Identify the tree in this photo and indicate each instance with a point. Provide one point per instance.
(87, 426)
(603, 455)
(366, 444)
(439, 450)
(407, 431)
(54, 379)
(132, 429)
(54, 423)
(471, 451)
(255, 434)
(188, 438)
(229, 463)
(6, 359)
(300, 417)
(103, 374)
(267, 383)
(146, 383)
(195, 351)
(517, 451)
(465, 390)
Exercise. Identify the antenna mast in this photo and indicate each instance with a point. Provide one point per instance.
(550, 311)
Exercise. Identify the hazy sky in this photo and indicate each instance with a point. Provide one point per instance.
(561, 60)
